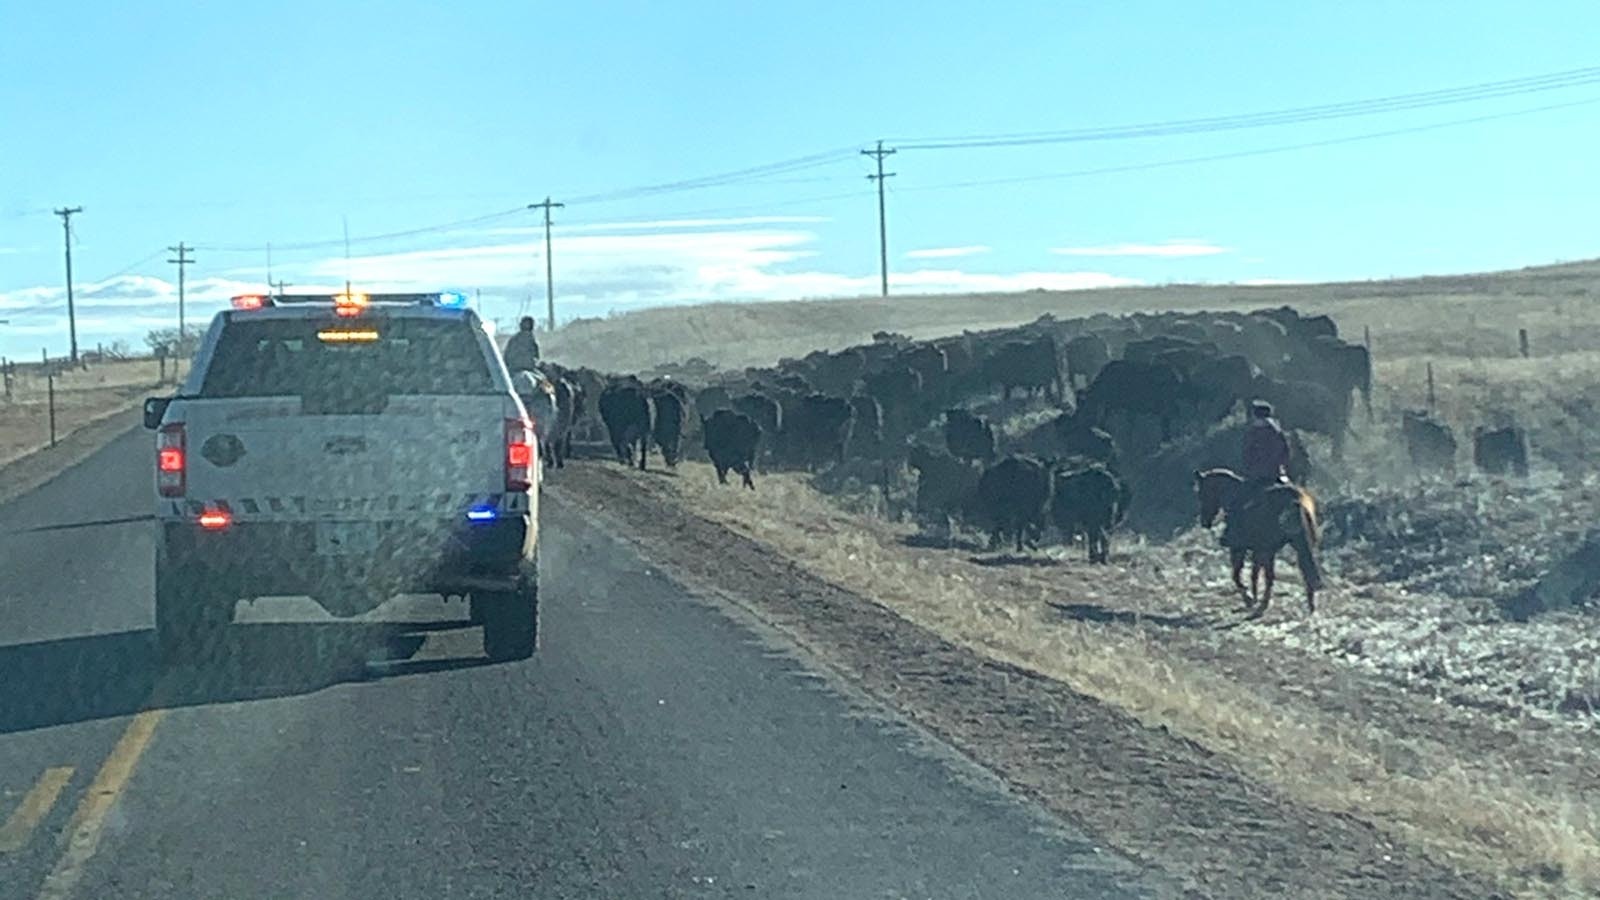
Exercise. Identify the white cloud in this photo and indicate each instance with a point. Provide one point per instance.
(947, 252)
(1263, 282)
(595, 274)
(1173, 248)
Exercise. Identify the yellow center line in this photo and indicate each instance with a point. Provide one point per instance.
(35, 806)
(88, 822)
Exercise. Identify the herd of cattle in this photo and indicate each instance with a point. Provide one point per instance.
(1120, 390)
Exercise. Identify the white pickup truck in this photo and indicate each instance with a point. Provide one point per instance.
(348, 448)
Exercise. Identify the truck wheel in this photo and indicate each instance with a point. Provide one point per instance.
(510, 620)
(190, 620)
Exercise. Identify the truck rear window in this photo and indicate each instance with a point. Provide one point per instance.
(347, 362)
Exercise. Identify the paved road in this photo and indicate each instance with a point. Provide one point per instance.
(654, 747)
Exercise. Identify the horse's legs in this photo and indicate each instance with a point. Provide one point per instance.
(1271, 564)
(1236, 557)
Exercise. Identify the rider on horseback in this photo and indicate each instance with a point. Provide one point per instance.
(1266, 463)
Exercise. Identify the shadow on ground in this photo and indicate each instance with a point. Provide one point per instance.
(1101, 615)
(936, 542)
(1011, 559)
(107, 675)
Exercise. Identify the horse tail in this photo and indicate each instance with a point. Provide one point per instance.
(1308, 518)
(1305, 548)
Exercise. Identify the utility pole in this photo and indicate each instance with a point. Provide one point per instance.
(66, 215)
(182, 263)
(883, 226)
(278, 287)
(549, 278)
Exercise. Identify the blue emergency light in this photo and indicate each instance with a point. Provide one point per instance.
(482, 514)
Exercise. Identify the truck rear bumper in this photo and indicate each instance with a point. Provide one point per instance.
(260, 559)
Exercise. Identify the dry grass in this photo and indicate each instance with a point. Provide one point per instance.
(82, 397)
(1480, 315)
(1537, 833)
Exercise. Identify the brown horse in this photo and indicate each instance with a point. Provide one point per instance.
(1282, 515)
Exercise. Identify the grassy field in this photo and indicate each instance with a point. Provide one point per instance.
(82, 396)
(1481, 315)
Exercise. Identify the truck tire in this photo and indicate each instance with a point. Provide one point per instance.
(510, 620)
(190, 620)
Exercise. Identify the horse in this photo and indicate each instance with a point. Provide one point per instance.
(1283, 515)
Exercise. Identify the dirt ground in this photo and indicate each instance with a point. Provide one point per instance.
(1143, 779)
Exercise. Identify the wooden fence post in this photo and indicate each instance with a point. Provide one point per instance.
(50, 382)
(1432, 399)
(1522, 341)
(1366, 337)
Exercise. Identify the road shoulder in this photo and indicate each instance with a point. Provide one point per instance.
(27, 473)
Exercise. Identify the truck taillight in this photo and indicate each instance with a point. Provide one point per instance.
(520, 455)
(171, 460)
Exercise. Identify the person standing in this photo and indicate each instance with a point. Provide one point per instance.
(522, 351)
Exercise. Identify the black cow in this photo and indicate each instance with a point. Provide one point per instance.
(1501, 451)
(946, 487)
(1308, 406)
(629, 417)
(731, 440)
(1135, 389)
(1090, 501)
(968, 437)
(1339, 366)
(1217, 384)
(818, 430)
(928, 361)
(1147, 349)
(1013, 495)
(762, 410)
(1087, 354)
(793, 382)
(711, 399)
(1430, 444)
(672, 386)
(671, 415)
(1033, 365)
(1077, 438)
(837, 373)
(558, 445)
(591, 385)
(866, 436)
(897, 390)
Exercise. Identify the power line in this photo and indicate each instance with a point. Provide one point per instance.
(1241, 154)
(549, 269)
(130, 266)
(363, 239)
(883, 226)
(1294, 115)
(66, 214)
(183, 262)
(736, 176)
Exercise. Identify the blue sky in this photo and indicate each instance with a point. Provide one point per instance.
(230, 126)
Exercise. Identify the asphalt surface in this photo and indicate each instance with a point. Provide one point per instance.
(654, 747)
